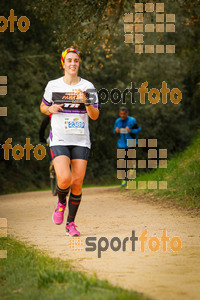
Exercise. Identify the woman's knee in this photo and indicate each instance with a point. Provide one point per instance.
(76, 183)
(64, 181)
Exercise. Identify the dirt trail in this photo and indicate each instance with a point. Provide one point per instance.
(108, 212)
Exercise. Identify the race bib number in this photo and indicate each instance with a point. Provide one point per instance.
(74, 125)
(123, 131)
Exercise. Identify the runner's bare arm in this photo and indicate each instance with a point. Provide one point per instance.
(93, 112)
(53, 109)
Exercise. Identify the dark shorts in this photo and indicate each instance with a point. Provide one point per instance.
(73, 152)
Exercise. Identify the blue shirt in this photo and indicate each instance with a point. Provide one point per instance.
(123, 137)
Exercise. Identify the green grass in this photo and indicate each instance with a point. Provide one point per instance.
(182, 175)
(30, 274)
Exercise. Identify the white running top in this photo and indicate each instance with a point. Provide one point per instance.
(69, 127)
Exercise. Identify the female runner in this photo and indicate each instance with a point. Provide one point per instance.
(69, 100)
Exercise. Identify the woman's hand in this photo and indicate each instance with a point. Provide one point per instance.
(81, 96)
(55, 108)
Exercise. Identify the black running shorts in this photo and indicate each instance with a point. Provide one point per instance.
(73, 152)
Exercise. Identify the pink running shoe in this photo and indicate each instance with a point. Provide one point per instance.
(71, 229)
(58, 214)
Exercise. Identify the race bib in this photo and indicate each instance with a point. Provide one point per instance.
(123, 131)
(74, 125)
